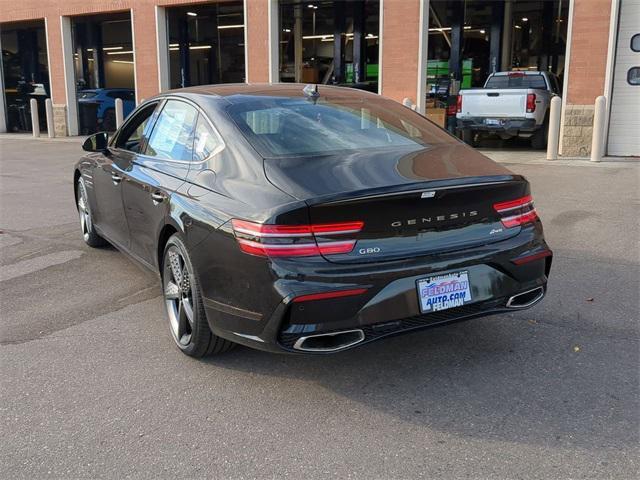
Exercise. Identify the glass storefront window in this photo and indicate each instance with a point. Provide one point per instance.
(330, 42)
(25, 72)
(470, 39)
(104, 69)
(206, 44)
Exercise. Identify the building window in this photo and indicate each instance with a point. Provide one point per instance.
(25, 71)
(330, 42)
(104, 69)
(206, 44)
(633, 76)
(635, 42)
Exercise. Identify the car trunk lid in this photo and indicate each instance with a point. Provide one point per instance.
(412, 203)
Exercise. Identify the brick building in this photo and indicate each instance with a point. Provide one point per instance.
(76, 50)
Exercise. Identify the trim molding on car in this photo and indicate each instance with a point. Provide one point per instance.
(419, 190)
(238, 312)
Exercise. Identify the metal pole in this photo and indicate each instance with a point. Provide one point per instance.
(119, 112)
(48, 105)
(597, 140)
(35, 121)
(553, 137)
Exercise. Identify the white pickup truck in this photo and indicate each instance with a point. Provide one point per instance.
(511, 104)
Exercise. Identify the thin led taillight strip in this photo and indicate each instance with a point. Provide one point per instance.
(295, 249)
(327, 295)
(258, 230)
(524, 203)
(513, 204)
(303, 241)
(532, 258)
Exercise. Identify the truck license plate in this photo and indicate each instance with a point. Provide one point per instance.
(492, 121)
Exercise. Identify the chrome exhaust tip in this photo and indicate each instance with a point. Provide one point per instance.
(329, 342)
(526, 299)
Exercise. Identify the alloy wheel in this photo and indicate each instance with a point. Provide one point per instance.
(178, 295)
(83, 211)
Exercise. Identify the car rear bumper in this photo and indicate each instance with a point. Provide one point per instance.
(389, 305)
(509, 126)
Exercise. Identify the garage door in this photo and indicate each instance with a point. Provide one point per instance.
(624, 123)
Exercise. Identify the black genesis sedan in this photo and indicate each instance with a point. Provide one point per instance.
(308, 219)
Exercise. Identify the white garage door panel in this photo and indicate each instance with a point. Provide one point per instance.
(624, 122)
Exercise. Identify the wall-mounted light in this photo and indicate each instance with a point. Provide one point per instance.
(525, 19)
(483, 31)
(107, 49)
(192, 14)
(226, 27)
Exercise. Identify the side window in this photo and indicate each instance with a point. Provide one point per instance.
(132, 133)
(205, 141)
(172, 135)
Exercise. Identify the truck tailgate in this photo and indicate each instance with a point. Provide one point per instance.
(494, 103)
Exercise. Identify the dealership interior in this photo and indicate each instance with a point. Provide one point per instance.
(322, 41)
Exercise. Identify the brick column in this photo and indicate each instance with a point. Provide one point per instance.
(146, 53)
(56, 75)
(586, 74)
(257, 40)
(400, 48)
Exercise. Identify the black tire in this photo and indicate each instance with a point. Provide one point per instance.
(539, 138)
(109, 121)
(192, 335)
(89, 234)
(469, 137)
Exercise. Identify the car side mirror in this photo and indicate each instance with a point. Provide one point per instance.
(96, 143)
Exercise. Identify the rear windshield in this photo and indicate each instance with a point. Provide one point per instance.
(516, 81)
(278, 127)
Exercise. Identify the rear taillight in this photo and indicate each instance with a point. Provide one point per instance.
(516, 212)
(459, 104)
(531, 102)
(295, 240)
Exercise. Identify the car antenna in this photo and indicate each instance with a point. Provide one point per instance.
(311, 91)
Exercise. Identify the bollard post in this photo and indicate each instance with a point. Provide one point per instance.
(35, 120)
(597, 140)
(119, 112)
(553, 137)
(48, 105)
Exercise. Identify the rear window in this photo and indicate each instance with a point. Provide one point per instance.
(515, 80)
(278, 127)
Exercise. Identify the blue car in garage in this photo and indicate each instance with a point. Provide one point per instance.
(102, 101)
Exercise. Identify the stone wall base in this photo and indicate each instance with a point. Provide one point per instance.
(578, 130)
(60, 120)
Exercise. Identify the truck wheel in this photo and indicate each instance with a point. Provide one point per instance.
(469, 137)
(539, 139)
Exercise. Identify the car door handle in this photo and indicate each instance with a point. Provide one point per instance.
(158, 197)
(115, 178)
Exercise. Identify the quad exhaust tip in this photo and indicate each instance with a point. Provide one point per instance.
(329, 342)
(526, 299)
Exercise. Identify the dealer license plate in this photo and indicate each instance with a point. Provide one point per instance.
(444, 291)
(492, 121)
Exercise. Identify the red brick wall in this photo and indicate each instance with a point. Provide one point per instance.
(588, 56)
(400, 37)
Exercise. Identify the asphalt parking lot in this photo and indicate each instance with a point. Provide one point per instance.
(93, 387)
